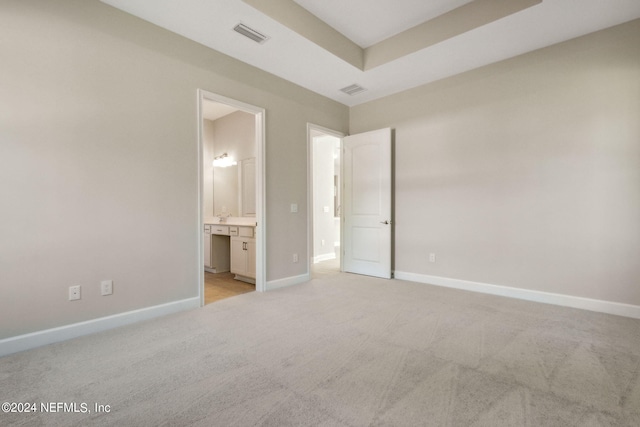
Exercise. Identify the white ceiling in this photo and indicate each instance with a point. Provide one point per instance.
(293, 57)
(214, 110)
(368, 22)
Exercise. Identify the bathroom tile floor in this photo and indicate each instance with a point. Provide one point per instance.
(223, 285)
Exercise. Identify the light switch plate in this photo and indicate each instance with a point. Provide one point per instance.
(74, 293)
(294, 208)
(106, 287)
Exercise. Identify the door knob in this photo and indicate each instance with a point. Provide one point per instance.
(385, 222)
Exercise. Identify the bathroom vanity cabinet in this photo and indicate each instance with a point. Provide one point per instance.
(230, 247)
(243, 254)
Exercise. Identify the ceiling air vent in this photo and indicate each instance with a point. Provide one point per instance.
(250, 33)
(354, 89)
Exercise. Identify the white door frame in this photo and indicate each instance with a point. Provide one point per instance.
(261, 234)
(312, 127)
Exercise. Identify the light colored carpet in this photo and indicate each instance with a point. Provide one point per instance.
(323, 269)
(344, 350)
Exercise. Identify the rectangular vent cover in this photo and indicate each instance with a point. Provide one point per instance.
(354, 89)
(250, 33)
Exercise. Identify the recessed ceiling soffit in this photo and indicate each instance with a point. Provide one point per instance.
(451, 24)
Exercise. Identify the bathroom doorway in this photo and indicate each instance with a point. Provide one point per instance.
(231, 176)
(325, 153)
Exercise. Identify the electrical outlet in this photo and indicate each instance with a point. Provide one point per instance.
(432, 257)
(295, 257)
(106, 287)
(74, 293)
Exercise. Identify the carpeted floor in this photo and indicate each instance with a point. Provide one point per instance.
(343, 350)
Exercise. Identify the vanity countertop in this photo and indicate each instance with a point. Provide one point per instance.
(233, 221)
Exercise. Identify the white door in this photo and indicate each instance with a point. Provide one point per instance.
(367, 203)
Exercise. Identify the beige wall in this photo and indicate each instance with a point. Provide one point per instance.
(525, 173)
(98, 160)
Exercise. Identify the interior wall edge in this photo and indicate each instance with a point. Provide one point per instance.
(288, 281)
(49, 336)
(600, 306)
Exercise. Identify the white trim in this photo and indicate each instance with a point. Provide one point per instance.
(288, 281)
(200, 186)
(312, 127)
(324, 257)
(609, 307)
(260, 219)
(62, 333)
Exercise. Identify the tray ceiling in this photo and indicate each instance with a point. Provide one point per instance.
(384, 46)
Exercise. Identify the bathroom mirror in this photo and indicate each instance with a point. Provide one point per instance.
(234, 189)
(226, 191)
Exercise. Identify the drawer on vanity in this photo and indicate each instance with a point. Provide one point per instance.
(220, 229)
(241, 231)
(245, 231)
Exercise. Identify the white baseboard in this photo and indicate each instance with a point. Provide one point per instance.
(324, 257)
(215, 270)
(288, 281)
(62, 333)
(609, 307)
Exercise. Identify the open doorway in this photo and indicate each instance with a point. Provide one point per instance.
(325, 147)
(231, 138)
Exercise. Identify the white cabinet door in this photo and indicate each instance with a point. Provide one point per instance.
(238, 258)
(243, 257)
(251, 258)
